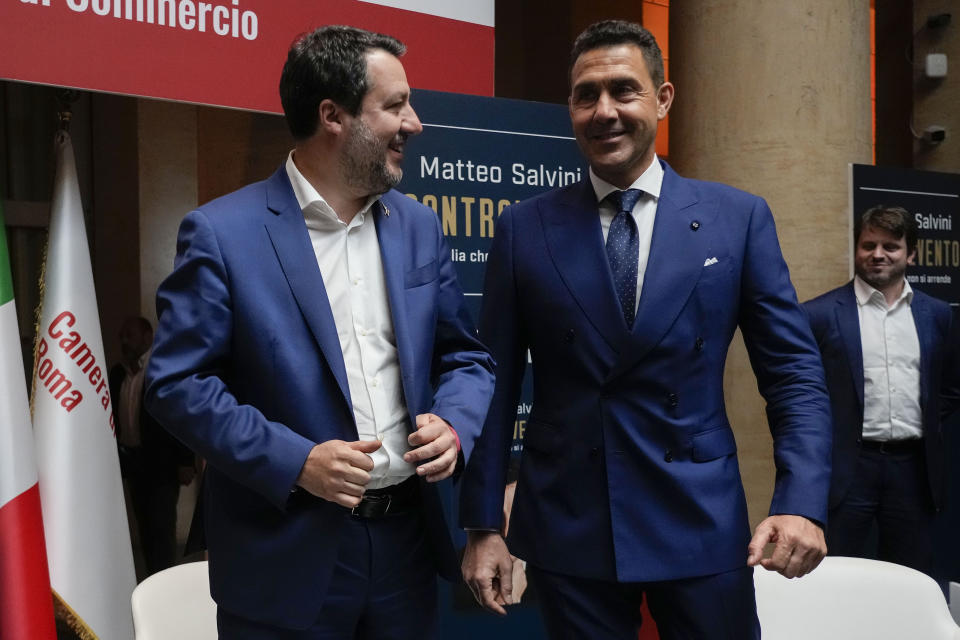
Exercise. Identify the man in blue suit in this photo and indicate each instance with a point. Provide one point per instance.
(315, 349)
(629, 483)
(890, 353)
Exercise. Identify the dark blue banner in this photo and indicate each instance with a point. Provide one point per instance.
(934, 201)
(475, 157)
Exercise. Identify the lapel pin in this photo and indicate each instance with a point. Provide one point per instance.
(695, 225)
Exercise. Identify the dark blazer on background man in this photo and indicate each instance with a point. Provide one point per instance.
(629, 470)
(248, 371)
(835, 321)
(160, 453)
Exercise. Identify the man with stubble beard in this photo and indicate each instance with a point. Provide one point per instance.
(890, 354)
(314, 348)
(627, 289)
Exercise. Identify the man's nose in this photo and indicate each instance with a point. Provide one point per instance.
(605, 109)
(410, 123)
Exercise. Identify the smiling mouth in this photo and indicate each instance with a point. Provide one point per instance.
(396, 145)
(609, 135)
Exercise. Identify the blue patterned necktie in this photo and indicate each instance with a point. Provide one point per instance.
(623, 251)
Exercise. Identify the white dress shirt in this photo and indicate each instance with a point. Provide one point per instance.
(644, 211)
(891, 365)
(352, 270)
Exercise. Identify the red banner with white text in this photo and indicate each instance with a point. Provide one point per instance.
(230, 52)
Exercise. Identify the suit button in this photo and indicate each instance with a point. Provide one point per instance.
(571, 334)
(698, 345)
(672, 400)
(668, 456)
(594, 452)
(695, 225)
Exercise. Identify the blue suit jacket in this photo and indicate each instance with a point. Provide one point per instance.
(836, 326)
(629, 470)
(247, 370)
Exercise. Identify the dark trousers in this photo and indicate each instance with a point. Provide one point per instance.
(384, 587)
(889, 490)
(716, 607)
(153, 497)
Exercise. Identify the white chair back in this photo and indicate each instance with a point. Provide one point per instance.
(853, 599)
(175, 604)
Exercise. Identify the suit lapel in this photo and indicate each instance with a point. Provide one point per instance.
(923, 321)
(291, 241)
(678, 248)
(575, 243)
(848, 324)
(391, 240)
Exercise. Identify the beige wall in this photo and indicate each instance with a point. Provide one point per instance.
(167, 154)
(774, 98)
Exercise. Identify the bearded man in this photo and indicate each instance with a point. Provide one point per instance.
(315, 349)
(892, 370)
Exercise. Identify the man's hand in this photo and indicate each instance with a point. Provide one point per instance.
(338, 471)
(800, 545)
(435, 446)
(488, 570)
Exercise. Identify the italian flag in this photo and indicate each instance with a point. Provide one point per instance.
(26, 605)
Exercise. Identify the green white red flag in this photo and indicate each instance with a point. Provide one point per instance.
(26, 605)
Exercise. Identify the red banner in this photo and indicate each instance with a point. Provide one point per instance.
(224, 52)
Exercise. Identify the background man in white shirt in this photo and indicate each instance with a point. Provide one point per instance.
(890, 356)
(315, 349)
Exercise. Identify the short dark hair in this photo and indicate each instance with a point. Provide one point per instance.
(328, 62)
(609, 33)
(895, 220)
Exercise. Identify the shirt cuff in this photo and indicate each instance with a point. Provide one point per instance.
(454, 432)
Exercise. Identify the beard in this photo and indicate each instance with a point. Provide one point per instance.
(364, 161)
(880, 281)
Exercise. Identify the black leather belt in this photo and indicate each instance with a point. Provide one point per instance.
(894, 446)
(394, 500)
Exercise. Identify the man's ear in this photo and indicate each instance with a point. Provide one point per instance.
(912, 256)
(330, 117)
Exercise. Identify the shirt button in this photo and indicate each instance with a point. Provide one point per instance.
(668, 456)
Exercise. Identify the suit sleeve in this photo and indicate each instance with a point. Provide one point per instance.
(950, 374)
(482, 486)
(188, 374)
(462, 369)
(787, 363)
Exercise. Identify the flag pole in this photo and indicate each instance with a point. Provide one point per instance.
(87, 535)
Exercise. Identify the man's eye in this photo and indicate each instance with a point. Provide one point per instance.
(585, 96)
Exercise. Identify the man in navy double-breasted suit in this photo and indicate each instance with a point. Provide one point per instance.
(893, 371)
(629, 483)
(314, 348)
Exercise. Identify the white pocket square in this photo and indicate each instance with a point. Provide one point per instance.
(710, 261)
